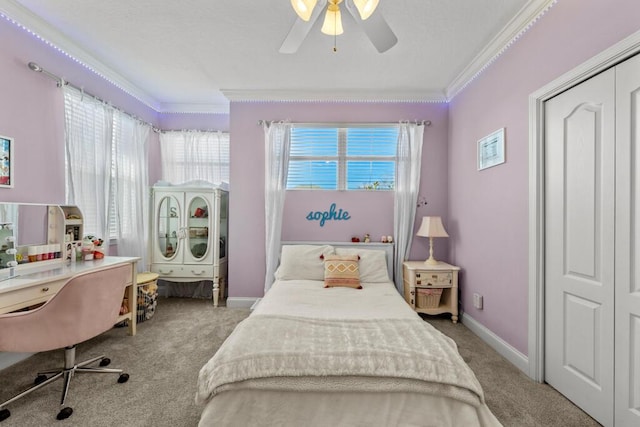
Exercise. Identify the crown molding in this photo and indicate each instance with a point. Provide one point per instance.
(25, 19)
(345, 96)
(184, 108)
(515, 28)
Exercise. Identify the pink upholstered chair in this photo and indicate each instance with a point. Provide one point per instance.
(86, 306)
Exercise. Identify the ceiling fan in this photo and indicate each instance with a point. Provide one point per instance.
(364, 12)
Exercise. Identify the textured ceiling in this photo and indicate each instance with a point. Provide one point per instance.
(193, 55)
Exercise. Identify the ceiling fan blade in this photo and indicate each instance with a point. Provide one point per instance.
(376, 28)
(299, 31)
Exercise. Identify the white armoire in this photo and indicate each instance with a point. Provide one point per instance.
(592, 244)
(189, 234)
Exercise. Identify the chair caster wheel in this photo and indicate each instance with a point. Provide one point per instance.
(123, 378)
(40, 379)
(105, 361)
(4, 414)
(64, 413)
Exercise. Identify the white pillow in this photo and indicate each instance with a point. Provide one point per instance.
(302, 262)
(373, 264)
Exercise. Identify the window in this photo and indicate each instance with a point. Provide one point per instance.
(195, 155)
(345, 158)
(105, 165)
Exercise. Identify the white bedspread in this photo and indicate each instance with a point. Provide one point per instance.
(308, 350)
(266, 346)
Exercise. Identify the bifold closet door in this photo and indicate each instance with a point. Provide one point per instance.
(627, 271)
(579, 244)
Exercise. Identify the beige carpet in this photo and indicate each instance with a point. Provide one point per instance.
(164, 359)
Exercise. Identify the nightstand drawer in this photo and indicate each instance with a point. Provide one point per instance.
(435, 279)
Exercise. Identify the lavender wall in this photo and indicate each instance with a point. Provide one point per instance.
(179, 121)
(32, 112)
(371, 212)
(488, 210)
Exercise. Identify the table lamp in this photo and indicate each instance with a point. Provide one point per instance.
(431, 227)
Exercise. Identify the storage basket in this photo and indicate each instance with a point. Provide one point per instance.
(147, 296)
(428, 297)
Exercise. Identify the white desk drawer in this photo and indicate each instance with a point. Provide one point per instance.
(25, 297)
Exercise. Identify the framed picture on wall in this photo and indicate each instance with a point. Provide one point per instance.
(491, 150)
(6, 162)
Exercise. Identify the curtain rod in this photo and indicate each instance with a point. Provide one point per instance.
(60, 82)
(336, 124)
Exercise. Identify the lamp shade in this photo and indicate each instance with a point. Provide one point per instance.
(366, 7)
(432, 227)
(332, 21)
(304, 8)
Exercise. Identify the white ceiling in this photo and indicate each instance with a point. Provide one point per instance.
(196, 55)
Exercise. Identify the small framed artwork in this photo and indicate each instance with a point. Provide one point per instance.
(6, 162)
(491, 150)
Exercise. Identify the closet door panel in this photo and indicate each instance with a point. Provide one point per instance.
(579, 244)
(627, 327)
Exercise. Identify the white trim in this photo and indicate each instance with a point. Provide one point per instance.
(242, 302)
(33, 24)
(370, 95)
(498, 344)
(611, 56)
(515, 28)
(255, 304)
(8, 359)
(182, 108)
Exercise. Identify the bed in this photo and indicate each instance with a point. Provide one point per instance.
(350, 354)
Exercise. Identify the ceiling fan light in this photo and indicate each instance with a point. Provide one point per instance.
(304, 8)
(366, 7)
(332, 24)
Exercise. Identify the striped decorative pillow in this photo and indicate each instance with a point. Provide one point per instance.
(341, 271)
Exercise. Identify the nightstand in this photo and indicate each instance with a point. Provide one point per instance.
(431, 289)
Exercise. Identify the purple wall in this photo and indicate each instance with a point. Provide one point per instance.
(370, 212)
(32, 112)
(488, 210)
(179, 121)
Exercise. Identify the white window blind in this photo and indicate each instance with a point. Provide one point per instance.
(106, 165)
(195, 155)
(358, 157)
(87, 161)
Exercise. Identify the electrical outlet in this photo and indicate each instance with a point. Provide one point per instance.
(477, 301)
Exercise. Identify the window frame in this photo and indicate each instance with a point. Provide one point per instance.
(342, 158)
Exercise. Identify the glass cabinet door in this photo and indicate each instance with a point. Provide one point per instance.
(198, 227)
(168, 226)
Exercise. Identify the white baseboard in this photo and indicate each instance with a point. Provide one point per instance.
(498, 344)
(8, 359)
(241, 302)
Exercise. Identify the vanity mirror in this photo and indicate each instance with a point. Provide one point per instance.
(29, 222)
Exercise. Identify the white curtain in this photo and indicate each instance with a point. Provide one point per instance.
(88, 135)
(195, 155)
(131, 172)
(277, 143)
(409, 161)
(107, 172)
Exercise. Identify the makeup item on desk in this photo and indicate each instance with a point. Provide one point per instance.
(31, 253)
